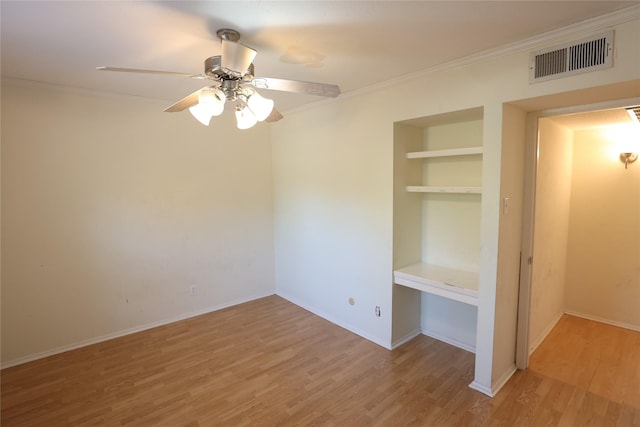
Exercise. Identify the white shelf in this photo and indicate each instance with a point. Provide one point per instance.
(443, 189)
(453, 284)
(444, 153)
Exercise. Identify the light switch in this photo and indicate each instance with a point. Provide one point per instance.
(505, 205)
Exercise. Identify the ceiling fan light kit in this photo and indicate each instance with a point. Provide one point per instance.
(201, 114)
(260, 106)
(245, 118)
(234, 81)
(210, 103)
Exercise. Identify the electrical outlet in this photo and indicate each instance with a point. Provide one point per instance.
(377, 311)
(193, 291)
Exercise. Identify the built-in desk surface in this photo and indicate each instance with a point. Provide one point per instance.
(445, 282)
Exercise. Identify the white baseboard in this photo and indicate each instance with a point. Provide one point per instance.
(603, 320)
(335, 321)
(495, 387)
(448, 340)
(90, 341)
(546, 332)
(482, 389)
(411, 335)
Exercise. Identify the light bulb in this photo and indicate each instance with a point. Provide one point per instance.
(260, 106)
(245, 118)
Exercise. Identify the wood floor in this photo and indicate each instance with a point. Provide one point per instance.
(271, 363)
(599, 359)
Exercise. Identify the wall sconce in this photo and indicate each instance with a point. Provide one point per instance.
(627, 158)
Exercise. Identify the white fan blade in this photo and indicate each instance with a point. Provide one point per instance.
(184, 103)
(311, 88)
(140, 71)
(236, 57)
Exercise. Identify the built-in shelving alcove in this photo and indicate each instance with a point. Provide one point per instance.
(437, 205)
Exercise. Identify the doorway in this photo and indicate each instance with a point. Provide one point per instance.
(580, 227)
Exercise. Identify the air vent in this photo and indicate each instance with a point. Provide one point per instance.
(634, 113)
(593, 53)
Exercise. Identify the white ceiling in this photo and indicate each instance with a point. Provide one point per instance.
(593, 119)
(354, 44)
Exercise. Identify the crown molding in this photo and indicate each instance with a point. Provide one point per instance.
(578, 30)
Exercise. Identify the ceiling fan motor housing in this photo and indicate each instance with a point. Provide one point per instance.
(231, 89)
(213, 68)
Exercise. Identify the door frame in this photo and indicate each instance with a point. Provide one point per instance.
(532, 143)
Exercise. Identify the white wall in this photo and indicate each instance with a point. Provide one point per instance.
(407, 230)
(603, 250)
(112, 210)
(509, 241)
(450, 321)
(333, 188)
(553, 195)
(451, 222)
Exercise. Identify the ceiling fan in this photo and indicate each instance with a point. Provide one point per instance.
(233, 78)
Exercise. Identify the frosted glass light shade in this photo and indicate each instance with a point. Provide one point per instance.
(210, 103)
(213, 99)
(201, 113)
(245, 118)
(260, 106)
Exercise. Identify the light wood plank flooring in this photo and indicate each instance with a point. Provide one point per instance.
(271, 363)
(600, 359)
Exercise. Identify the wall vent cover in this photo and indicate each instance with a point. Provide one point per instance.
(634, 113)
(590, 54)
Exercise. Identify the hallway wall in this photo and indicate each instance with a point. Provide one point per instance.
(552, 213)
(603, 250)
